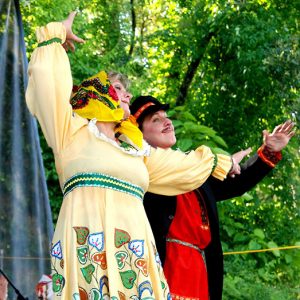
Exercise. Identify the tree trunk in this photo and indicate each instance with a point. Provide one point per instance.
(191, 70)
(133, 26)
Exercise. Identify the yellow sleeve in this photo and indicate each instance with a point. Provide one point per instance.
(50, 86)
(222, 166)
(174, 172)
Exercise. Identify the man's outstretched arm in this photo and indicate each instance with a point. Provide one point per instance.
(258, 166)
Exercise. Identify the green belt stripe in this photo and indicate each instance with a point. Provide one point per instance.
(102, 180)
(48, 42)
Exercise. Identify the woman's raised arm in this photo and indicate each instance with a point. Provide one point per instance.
(50, 82)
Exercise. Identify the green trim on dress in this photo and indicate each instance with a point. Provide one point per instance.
(51, 41)
(104, 181)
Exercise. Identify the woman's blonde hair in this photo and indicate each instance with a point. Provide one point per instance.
(113, 75)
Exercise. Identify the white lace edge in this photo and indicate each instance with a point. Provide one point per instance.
(145, 151)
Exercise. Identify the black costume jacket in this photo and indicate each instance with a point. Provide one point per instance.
(161, 211)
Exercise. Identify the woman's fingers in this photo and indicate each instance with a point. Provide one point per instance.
(75, 38)
(71, 16)
(70, 36)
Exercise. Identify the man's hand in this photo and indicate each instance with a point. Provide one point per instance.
(70, 37)
(280, 136)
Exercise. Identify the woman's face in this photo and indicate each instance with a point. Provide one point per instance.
(158, 130)
(123, 96)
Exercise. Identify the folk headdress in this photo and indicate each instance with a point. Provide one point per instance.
(143, 106)
(96, 98)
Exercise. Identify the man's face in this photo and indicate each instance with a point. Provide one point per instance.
(158, 130)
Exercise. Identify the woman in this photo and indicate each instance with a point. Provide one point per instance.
(103, 247)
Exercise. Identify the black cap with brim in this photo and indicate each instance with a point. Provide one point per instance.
(142, 106)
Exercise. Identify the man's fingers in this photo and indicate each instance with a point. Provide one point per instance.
(289, 126)
(277, 128)
(291, 134)
(265, 135)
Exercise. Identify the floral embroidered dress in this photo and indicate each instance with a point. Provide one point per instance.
(103, 247)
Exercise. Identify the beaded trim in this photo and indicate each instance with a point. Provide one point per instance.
(102, 180)
(184, 244)
(51, 41)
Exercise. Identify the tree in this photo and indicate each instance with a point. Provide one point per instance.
(229, 69)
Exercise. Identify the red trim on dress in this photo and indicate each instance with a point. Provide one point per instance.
(270, 158)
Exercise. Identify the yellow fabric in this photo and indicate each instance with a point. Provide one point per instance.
(161, 168)
(97, 99)
(223, 166)
(100, 111)
(93, 100)
(130, 128)
(101, 211)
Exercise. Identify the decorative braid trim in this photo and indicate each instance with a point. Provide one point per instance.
(186, 244)
(177, 297)
(171, 240)
(141, 109)
(215, 163)
(104, 181)
(270, 158)
(51, 41)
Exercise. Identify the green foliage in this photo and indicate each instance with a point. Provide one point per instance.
(229, 69)
(235, 287)
(190, 133)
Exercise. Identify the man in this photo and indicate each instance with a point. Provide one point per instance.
(186, 227)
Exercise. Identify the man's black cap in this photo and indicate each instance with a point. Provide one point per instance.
(142, 106)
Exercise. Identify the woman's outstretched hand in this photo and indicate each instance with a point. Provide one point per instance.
(236, 159)
(71, 38)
